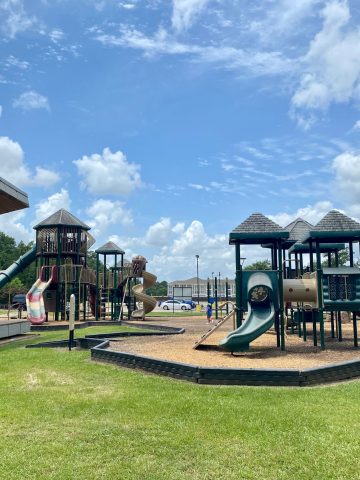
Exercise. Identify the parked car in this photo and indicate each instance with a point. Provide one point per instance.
(189, 302)
(175, 305)
(19, 301)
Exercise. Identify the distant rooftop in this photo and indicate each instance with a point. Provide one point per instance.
(298, 228)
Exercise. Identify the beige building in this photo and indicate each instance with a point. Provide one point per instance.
(192, 283)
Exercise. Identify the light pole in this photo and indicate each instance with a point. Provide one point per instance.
(197, 278)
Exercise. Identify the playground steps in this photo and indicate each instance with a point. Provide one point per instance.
(212, 329)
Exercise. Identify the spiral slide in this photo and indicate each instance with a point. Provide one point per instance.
(35, 300)
(149, 303)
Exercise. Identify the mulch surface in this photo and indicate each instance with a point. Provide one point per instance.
(263, 351)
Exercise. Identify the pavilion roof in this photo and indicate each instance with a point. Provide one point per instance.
(62, 218)
(110, 248)
(257, 229)
(335, 227)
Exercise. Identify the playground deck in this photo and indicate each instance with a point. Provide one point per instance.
(10, 328)
(263, 352)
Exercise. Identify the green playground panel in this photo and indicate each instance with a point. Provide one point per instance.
(245, 277)
(341, 289)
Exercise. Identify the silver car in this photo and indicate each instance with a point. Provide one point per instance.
(175, 305)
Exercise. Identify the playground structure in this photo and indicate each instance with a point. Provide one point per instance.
(148, 303)
(61, 256)
(117, 286)
(269, 295)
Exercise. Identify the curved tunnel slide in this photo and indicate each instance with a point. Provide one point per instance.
(35, 300)
(260, 316)
(17, 267)
(149, 303)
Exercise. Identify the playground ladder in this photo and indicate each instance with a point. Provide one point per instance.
(123, 299)
(215, 327)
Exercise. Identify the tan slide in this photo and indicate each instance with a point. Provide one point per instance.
(148, 303)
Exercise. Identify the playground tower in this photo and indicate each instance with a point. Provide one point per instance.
(62, 240)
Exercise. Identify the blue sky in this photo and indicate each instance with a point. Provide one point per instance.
(164, 124)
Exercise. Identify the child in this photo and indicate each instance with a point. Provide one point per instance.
(209, 313)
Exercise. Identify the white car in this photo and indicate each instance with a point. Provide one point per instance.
(175, 305)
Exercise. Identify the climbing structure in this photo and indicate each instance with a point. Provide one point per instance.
(307, 291)
(62, 244)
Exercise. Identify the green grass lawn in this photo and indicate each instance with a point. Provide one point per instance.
(65, 417)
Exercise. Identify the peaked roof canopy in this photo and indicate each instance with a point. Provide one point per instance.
(11, 197)
(334, 227)
(298, 228)
(257, 229)
(62, 218)
(110, 248)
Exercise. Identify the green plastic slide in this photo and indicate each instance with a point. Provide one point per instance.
(17, 267)
(260, 316)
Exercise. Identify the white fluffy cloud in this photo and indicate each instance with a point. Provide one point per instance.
(11, 224)
(347, 175)
(31, 100)
(108, 173)
(332, 69)
(104, 213)
(185, 12)
(14, 169)
(14, 18)
(52, 204)
(310, 213)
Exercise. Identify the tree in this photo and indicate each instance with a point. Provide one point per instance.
(158, 290)
(13, 287)
(343, 256)
(8, 250)
(260, 265)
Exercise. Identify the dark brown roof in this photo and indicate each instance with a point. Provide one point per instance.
(110, 248)
(298, 228)
(335, 221)
(11, 197)
(64, 218)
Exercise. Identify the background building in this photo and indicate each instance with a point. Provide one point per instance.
(192, 282)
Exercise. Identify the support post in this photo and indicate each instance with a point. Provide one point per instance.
(216, 300)
(71, 321)
(320, 296)
(227, 295)
(351, 259)
(97, 292)
(281, 299)
(238, 285)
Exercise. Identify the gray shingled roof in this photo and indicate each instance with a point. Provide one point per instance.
(298, 229)
(258, 223)
(335, 221)
(62, 218)
(257, 230)
(110, 248)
